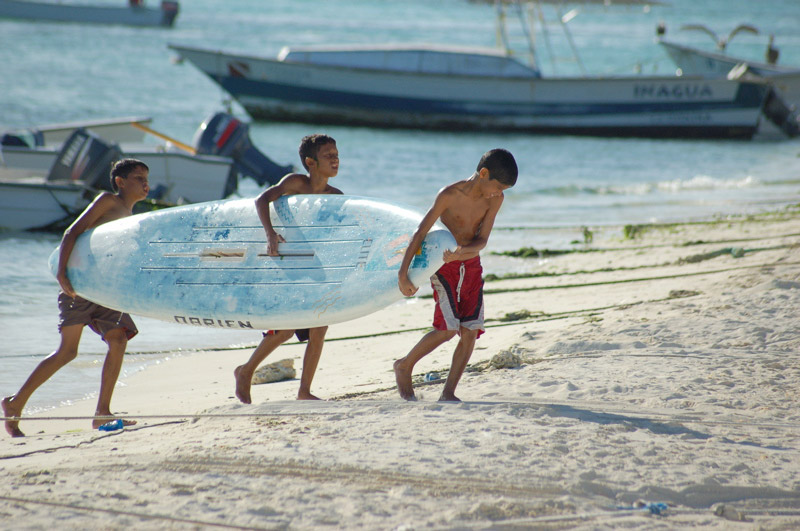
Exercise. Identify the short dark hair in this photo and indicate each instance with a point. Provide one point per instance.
(501, 165)
(310, 146)
(123, 168)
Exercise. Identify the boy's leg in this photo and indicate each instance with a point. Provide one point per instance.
(403, 368)
(244, 373)
(316, 339)
(460, 359)
(67, 351)
(117, 341)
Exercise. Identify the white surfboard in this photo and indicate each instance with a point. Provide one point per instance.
(207, 265)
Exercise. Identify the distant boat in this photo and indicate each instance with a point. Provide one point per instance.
(42, 187)
(435, 88)
(457, 88)
(696, 62)
(133, 14)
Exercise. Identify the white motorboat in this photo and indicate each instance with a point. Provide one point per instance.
(46, 185)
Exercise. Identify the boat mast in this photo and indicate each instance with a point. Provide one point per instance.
(528, 21)
(563, 20)
(535, 12)
(500, 22)
(527, 30)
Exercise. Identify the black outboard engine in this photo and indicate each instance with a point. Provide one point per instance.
(781, 114)
(225, 136)
(778, 111)
(85, 157)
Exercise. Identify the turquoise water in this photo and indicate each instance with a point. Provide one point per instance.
(60, 72)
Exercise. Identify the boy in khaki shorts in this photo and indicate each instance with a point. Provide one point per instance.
(129, 180)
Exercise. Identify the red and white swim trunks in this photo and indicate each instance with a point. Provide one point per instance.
(458, 292)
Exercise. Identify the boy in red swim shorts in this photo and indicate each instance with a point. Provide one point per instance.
(458, 292)
(468, 209)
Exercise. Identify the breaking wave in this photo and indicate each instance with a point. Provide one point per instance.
(698, 183)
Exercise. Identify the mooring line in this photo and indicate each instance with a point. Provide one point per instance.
(597, 408)
(629, 280)
(166, 416)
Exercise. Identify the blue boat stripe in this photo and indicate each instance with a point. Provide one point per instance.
(748, 95)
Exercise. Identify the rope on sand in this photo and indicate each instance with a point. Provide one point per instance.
(146, 516)
(629, 280)
(643, 415)
(182, 417)
(81, 443)
(665, 245)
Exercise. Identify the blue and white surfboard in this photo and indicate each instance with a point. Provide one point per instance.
(207, 265)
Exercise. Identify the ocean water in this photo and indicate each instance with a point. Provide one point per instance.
(53, 72)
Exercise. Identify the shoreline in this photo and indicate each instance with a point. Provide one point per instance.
(655, 370)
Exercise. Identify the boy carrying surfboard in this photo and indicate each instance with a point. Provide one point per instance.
(468, 209)
(129, 181)
(320, 157)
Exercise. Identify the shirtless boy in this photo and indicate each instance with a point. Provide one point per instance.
(129, 180)
(320, 158)
(468, 209)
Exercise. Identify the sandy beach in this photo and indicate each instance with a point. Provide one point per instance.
(645, 382)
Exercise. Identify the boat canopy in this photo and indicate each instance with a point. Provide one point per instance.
(424, 59)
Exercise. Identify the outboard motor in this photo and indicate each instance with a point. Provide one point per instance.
(169, 10)
(85, 157)
(225, 136)
(777, 111)
(781, 114)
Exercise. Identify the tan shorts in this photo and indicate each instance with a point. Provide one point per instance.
(99, 318)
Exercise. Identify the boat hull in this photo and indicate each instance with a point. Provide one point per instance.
(633, 106)
(183, 178)
(27, 204)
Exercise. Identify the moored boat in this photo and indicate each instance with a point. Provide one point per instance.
(43, 185)
(440, 88)
(133, 14)
(696, 62)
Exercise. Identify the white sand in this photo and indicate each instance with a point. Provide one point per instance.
(679, 387)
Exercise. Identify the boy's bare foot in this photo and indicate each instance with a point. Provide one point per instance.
(96, 423)
(243, 381)
(449, 397)
(304, 395)
(12, 426)
(404, 385)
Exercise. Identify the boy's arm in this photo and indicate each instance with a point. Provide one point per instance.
(407, 288)
(465, 252)
(286, 186)
(99, 207)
